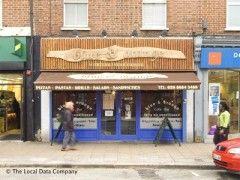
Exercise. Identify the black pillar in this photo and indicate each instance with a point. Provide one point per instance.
(36, 94)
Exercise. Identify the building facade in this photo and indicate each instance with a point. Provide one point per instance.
(15, 71)
(123, 88)
(217, 62)
(89, 25)
(211, 23)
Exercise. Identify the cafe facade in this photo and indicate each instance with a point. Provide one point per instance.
(122, 88)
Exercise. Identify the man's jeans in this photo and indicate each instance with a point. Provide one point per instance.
(69, 139)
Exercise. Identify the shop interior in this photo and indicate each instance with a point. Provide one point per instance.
(228, 83)
(10, 106)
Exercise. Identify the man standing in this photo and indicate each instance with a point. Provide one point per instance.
(68, 127)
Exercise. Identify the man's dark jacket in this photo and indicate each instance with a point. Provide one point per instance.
(68, 120)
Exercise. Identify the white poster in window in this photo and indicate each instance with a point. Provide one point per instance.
(154, 123)
(128, 113)
(214, 99)
(79, 123)
(108, 101)
(109, 113)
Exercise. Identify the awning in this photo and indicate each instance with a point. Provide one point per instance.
(117, 81)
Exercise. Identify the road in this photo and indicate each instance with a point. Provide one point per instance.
(113, 173)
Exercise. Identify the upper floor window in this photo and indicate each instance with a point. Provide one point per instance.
(154, 14)
(76, 13)
(1, 13)
(233, 15)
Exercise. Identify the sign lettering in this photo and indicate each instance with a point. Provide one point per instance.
(236, 55)
(116, 87)
(115, 53)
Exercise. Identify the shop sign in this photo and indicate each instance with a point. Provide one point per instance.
(214, 99)
(117, 76)
(220, 58)
(178, 87)
(115, 53)
(79, 123)
(154, 123)
(13, 49)
(115, 87)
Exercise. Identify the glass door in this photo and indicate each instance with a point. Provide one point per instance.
(118, 120)
(109, 116)
(128, 115)
(228, 83)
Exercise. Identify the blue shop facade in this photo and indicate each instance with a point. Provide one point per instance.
(121, 91)
(220, 77)
(123, 115)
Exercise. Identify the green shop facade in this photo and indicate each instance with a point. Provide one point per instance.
(15, 88)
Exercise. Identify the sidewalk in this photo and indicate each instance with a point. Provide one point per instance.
(106, 154)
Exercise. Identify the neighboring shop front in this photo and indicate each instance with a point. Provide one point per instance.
(122, 87)
(222, 84)
(13, 56)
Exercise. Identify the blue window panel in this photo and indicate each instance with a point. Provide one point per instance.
(149, 135)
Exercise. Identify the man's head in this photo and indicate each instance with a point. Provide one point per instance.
(69, 105)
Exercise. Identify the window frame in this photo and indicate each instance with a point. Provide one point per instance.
(228, 27)
(73, 27)
(165, 19)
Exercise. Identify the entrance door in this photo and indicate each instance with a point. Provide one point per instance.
(128, 115)
(118, 121)
(108, 127)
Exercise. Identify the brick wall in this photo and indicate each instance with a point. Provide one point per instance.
(16, 13)
(214, 12)
(119, 17)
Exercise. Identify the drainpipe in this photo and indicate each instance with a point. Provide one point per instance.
(28, 84)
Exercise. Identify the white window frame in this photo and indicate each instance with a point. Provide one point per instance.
(155, 27)
(72, 27)
(228, 27)
(1, 14)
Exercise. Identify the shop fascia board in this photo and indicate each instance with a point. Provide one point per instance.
(15, 31)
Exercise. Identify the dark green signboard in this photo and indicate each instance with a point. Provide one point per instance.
(13, 49)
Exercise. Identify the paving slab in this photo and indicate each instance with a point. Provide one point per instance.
(102, 154)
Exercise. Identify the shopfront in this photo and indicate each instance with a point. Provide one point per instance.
(222, 65)
(12, 59)
(121, 91)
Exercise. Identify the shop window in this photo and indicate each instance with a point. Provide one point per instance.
(154, 14)
(233, 15)
(158, 105)
(75, 14)
(84, 108)
(223, 86)
(10, 105)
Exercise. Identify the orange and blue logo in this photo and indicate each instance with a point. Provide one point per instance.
(215, 58)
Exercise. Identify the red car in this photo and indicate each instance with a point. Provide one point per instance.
(227, 155)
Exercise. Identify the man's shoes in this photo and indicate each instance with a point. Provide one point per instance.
(63, 149)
